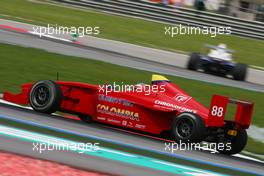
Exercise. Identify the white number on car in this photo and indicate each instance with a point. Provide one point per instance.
(217, 111)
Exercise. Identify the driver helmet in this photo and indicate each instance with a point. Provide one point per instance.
(222, 46)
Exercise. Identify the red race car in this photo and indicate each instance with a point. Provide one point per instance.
(156, 108)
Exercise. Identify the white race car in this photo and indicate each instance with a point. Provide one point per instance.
(219, 62)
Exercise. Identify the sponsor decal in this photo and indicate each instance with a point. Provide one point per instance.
(140, 126)
(113, 121)
(182, 98)
(114, 100)
(124, 113)
(173, 106)
(130, 124)
(101, 118)
(124, 123)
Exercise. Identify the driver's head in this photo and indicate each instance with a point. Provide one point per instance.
(222, 46)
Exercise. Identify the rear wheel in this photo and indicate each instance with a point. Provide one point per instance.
(188, 127)
(193, 61)
(45, 96)
(236, 144)
(240, 72)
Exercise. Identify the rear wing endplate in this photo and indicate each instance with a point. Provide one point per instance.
(218, 109)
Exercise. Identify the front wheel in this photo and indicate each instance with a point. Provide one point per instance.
(193, 61)
(240, 72)
(188, 127)
(235, 144)
(45, 96)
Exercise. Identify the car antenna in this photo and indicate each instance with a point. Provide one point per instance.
(57, 76)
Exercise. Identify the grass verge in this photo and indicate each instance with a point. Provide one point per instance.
(129, 30)
(20, 65)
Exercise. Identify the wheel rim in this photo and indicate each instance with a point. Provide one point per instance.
(184, 129)
(41, 95)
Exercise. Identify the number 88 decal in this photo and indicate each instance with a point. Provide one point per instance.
(217, 111)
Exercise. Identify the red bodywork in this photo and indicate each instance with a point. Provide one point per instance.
(151, 113)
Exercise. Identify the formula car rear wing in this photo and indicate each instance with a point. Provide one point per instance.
(218, 111)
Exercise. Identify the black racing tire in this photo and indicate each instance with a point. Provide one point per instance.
(86, 118)
(193, 61)
(188, 127)
(45, 96)
(238, 143)
(240, 72)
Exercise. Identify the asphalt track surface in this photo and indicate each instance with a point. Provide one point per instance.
(87, 52)
(127, 138)
(77, 160)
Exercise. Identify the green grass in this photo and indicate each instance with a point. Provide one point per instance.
(130, 30)
(20, 65)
